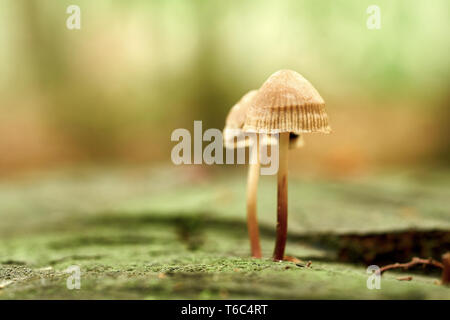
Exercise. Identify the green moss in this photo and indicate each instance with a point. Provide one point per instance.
(134, 240)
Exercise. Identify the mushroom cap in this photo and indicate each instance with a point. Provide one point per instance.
(287, 102)
(235, 122)
(236, 116)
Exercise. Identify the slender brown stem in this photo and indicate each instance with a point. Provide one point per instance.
(413, 262)
(446, 271)
(252, 188)
(280, 243)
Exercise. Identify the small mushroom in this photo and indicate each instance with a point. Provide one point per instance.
(233, 127)
(235, 122)
(286, 104)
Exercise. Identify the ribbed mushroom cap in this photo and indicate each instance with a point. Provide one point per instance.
(287, 102)
(236, 116)
(235, 122)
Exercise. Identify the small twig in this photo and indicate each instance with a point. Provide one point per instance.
(413, 262)
(408, 278)
(292, 259)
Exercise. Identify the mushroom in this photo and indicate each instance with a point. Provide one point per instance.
(285, 104)
(233, 127)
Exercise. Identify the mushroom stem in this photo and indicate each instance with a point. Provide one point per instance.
(280, 243)
(252, 188)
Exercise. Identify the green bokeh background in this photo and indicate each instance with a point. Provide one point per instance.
(115, 89)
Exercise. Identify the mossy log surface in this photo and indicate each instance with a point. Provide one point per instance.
(173, 233)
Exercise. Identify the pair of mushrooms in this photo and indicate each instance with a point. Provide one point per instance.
(288, 105)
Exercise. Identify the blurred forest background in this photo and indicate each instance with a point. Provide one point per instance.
(87, 115)
(112, 92)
